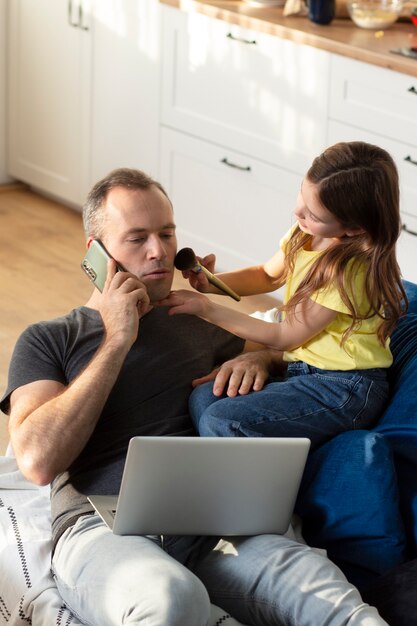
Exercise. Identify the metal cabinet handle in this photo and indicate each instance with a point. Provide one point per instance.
(81, 23)
(69, 16)
(412, 89)
(410, 160)
(407, 230)
(242, 39)
(243, 168)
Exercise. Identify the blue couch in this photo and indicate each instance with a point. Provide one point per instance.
(358, 498)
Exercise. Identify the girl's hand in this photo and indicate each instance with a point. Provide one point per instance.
(183, 301)
(198, 280)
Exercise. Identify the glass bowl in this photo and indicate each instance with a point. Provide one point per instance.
(376, 14)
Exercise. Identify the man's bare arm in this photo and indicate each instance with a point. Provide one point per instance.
(50, 423)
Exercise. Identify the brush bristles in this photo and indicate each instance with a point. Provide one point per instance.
(185, 259)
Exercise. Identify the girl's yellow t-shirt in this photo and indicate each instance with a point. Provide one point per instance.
(362, 349)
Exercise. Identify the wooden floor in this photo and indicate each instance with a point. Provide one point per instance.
(41, 247)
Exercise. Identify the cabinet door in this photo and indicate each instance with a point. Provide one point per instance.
(407, 248)
(261, 95)
(225, 202)
(373, 98)
(125, 86)
(49, 85)
(3, 175)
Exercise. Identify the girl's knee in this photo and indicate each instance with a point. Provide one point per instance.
(214, 424)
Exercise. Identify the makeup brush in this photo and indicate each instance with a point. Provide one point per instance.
(187, 260)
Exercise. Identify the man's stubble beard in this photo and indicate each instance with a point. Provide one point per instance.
(158, 292)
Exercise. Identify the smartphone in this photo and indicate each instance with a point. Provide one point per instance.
(94, 264)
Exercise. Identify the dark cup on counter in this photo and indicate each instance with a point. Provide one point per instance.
(321, 11)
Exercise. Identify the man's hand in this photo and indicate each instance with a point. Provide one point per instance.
(247, 372)
(124, 300)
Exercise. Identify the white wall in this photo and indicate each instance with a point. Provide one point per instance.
(3, 177)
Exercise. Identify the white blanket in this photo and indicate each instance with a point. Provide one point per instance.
(28, 594)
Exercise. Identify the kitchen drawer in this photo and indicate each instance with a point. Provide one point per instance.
(373, 98)
(239, 208)
(403, 154)
(261, 95)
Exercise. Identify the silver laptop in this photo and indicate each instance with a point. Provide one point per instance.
(206, 486)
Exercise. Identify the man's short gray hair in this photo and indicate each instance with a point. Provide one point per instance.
(93, 215)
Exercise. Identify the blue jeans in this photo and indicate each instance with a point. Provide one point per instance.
(309, 402)
(268, 580)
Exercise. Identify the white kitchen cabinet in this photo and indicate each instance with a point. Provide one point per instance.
(125, 86)
(3, 52)
(226, 202)
(83, 91)
(407, 246)
(242, 116)
(261, 95)
(382, 111)
(49, 95)
(373, 98)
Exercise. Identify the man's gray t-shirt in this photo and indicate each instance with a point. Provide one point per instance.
(150, 396)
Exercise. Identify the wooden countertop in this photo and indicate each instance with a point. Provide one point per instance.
(342, 36)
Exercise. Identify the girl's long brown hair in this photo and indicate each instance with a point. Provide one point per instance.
(358, 183)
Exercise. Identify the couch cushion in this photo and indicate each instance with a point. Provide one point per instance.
(359, 496)
(349, 504)
(399, 421)
(411, 291)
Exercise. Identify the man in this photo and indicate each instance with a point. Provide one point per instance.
(82, 385)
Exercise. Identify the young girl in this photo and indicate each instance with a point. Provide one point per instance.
(343, 297)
